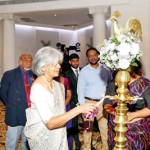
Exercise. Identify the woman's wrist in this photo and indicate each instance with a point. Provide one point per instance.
(78, 109)
(134, 115)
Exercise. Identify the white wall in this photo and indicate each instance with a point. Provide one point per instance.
(51, 36)
(25, 40)
(84, 37)
(28, 40)
(67, 37)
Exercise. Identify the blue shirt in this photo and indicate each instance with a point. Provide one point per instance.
(92, 82)
(28, 76)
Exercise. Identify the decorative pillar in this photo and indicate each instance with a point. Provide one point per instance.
(9, 42)
(98, 24)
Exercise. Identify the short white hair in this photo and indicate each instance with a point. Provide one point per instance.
(44, 57)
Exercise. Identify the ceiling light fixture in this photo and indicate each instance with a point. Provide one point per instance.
(52, 29)
(70, 25)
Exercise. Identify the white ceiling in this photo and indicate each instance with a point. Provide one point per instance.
(66, 19)
(70, 19)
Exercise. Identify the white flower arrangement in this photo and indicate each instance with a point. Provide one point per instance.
(120, 51)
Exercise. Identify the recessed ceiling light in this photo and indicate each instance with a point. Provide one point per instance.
(70, 25)
(55, 15)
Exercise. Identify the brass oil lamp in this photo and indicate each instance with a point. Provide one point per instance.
(121, 119)
(133, 26)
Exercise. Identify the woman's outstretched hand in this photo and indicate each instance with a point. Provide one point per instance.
(88, 110)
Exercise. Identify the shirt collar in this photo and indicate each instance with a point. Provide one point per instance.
(22, 71)
(94, 68)
(75, 69)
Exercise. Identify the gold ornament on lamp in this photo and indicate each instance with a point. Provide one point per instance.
(119, 53)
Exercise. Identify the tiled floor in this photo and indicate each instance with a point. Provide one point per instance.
(3, 128)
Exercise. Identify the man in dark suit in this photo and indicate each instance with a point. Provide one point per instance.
(72, 75)
(65, 63)
(15, 94)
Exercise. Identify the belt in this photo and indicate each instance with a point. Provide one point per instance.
(91, 99)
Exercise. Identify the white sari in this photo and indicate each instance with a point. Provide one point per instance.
(45, 105)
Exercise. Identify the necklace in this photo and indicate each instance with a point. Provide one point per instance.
(51, 88)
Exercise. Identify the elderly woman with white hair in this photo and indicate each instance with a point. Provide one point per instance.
(46, 118)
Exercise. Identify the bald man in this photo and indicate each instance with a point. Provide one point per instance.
(15, 94)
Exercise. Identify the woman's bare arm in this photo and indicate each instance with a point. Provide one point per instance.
(59, 121)
(134, 116)
(68, 97)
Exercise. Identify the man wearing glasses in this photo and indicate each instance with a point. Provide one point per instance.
(92, 82)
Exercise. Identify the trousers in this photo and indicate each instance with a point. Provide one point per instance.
(102, 125)
(12, 136)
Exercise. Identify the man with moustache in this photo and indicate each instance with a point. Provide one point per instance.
(72, 75)
(15, 94)
(91, 88)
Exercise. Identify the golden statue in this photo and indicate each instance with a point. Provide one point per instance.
(133, 25)
(114, 18)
